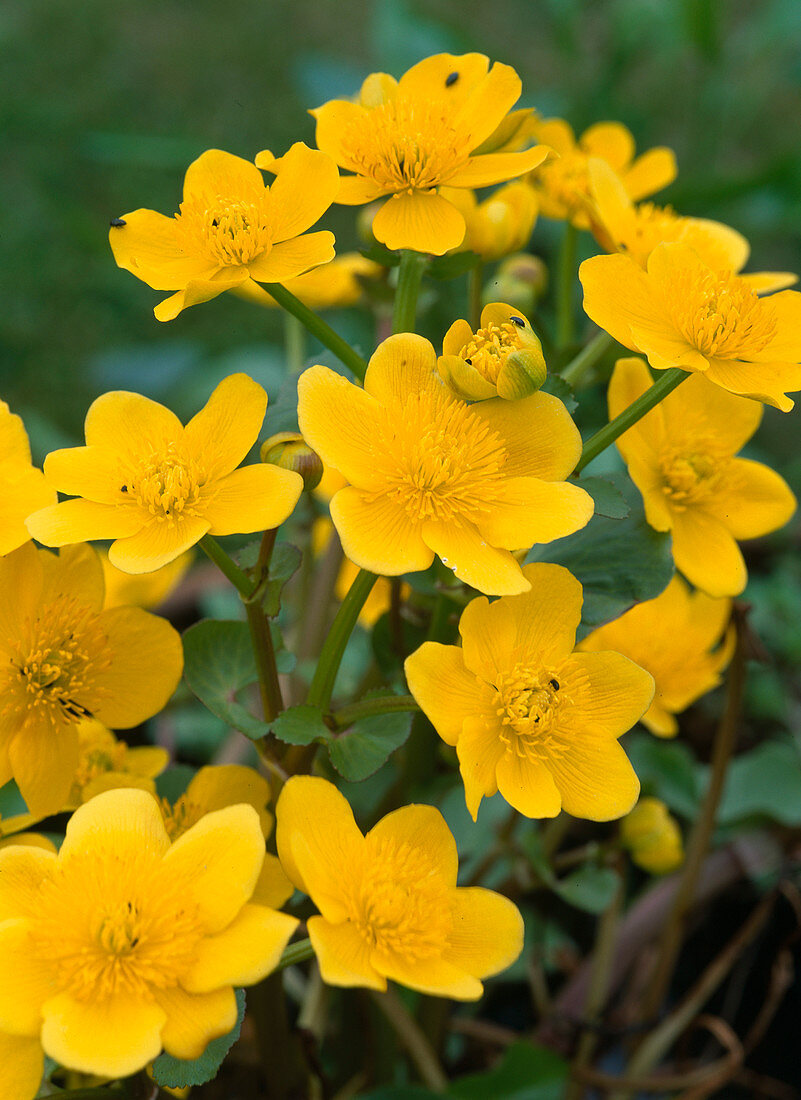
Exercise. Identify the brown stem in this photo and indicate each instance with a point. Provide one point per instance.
(413, 1039)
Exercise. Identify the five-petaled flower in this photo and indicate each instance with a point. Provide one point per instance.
(429, 474)
(22, 487)
(231, 228)
(405, 139)
(528, 715)
(681, 312)
(63, 658)
(681, 456)
(158, 487)
(389, 903)
(124, 944)
(503, 358)
(681, 638)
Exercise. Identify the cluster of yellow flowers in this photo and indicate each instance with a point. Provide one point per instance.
(132, 936)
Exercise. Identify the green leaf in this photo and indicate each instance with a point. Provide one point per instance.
(449, 267)
(218, 663)
(361, 750)
(589, 887)
(556, 386)
(619, 562)
(526, 1072)
(283, 565)
(609, 500)
(11, 801)
(380, 255)
(301, 725)
(175, 1073)
(765, 782)
(668, 770)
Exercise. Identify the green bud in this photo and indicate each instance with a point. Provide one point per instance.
(290, 451)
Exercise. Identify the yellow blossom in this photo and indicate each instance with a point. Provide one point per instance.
(529, 716)
(105, 763)
(652, 836)
(231, 228)
(681, 639)
(681, 456)
(62, 659)
(502, 359)
(499, 224)
(124, 944)
(23, 488)
(148, 590)
(407, 138)
(563, 183)
(390, 907)
(428, 474)
(635, 230)
(681, 312)
(158, 487)
(333, 286)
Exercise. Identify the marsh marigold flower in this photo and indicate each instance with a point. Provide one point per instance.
(680, 312)
(23, 488)
(106, 763)
(653, 837)
(123, 944)
(529, 716)
(157, 487)
(499, 224)
(390, 907)
(231, 228)
(148, 590)
(428, 474)
(502, 359)
(681, 638)
(563, 183)
(65, 659)
(406, 138)
(681, 456)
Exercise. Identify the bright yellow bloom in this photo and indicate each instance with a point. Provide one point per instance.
(681, 456)
(430, 475)
(389, 901)
(653, 837)
(563, 183)
(123, 943)
(158, 487)
(498, 225)
(635, 230)
(62, 659)
(332, 286)
(502, 359)
(683, 313)
(529, 716)
(23, 488)
(407, 138)
(148, 590)
(231, 228)
(213, 788)
(106, 763)
(679, 639)
(21, 1066)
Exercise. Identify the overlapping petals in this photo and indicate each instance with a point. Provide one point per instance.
(23, 488)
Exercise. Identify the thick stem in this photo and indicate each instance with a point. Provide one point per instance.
(410, 274)
(322, 685)
(417, 1045)
(241, 582)
(294, 343)
(475, 288)
(285, 1072)
(664, 385)
(367, 708)
(262, 639)
(587, 358)
(566, 278)
(296, 953)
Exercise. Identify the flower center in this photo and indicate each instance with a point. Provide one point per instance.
(529, 703)
(167, 484)
(648, 225)
(101, 752)
(720, 314)
(565, 179)
(690, 476)
(399, 903)
(180, 816)
(230, 233)
(54, 665)
(440, 460)
(405, 145)
(491, 347)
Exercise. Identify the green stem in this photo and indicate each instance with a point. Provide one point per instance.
(294, 343)
(475, 288)
(412, 1037)
(241, 582)
(296, 953)
(586, 358)
(410, 274)
(260, 635)
(322, 685)
(367, 708)
(664, 385)
(566, 277)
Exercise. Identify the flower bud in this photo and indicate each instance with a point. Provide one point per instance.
(503, 358)
(520, 280)
(290, 451)
(652, 837)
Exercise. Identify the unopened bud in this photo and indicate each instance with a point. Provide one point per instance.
(520, 280)
(290, 451)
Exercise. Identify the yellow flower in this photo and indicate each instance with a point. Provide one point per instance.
(62, 659)
(681, 456)
(683, 313)
(333, 286)
(653, 837)
(106, 763)
(23, 488)
(428, 474)
(146, 590)
(213, 788)
(529, 717)
(498, 225)
(620, 226)
(679, 639)
(389, 903)
(502, 359)
(563, 184)
(21, 1066)
(406, 138)
(123, 943)
(231, 228)
(158, 487)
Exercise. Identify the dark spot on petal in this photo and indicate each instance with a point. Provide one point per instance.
(117, 223)
(518, 321)
(451, 79)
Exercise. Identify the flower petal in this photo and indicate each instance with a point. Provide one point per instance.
(129, 819)
(445, 690)
(431, 78)
(338, 421)
(198, 291)
(527, 785)
(700, 409)
(479, 749)
(706, 553)
(110, 1037)
(461, 547)
(529, 511)
(762, 381)
(23, 869)
(487, 933)
(23, 490)
(428, 975)
(273, 888)
(306, 184)
(421, 221)
(544, 621)
(538, 433)
(25, 980)
(423, 829)
(43, 760)
(291, 258)
(253, 498)
(595, 779)
(225, 429)
(355, 190)
(619, 295)
(611, 693)
(400, 367)
(490, 168)
(21, 1066)
(752, 500)
(378, 535)
(343, 955)
(485, 107)
(611, 141)
(489, 641)
(243, 953)
(219, 785)
(153, 248)
(82, 521)
(96, 473)
(194, 1019)
(156, 544)
(130, 424)
(218, 174)
(336, 121)
(650, 172)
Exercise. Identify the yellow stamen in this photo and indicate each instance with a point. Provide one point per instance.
(720, 314)
(167, 484)
(181, 815)
(229, 232)
(691, 474)
(531, 704)
(491, 347)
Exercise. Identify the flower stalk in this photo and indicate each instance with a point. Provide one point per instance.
(587, 358)
(239, 579)
(369, 708)
(566, 275)
(322, 685)
(410, 274)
